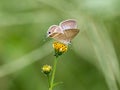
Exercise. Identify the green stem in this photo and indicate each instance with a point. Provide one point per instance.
(48, 76)
(53, 74)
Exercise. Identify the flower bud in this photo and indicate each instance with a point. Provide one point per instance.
(46, 69)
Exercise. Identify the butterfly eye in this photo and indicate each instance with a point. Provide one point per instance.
(49, 32)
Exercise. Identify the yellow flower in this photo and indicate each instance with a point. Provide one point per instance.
(46, 69)
(59, 48)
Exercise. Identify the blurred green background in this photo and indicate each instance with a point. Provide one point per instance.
(92, 61)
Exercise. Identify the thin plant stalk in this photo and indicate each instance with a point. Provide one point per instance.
(53, 74)
(48, 76)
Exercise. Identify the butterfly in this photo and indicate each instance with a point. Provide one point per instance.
(64, 32)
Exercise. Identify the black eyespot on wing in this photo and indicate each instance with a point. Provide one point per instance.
(49, 32)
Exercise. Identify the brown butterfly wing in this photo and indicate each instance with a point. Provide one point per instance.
(59, 37)
(71, 33)
(65, 37)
